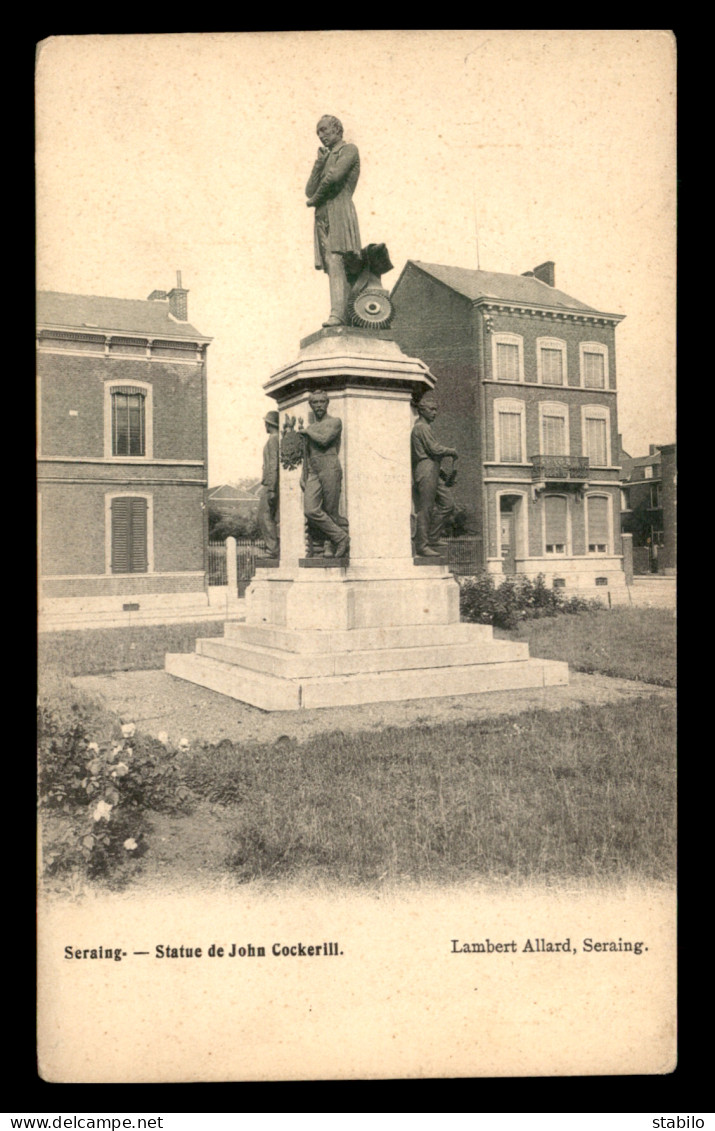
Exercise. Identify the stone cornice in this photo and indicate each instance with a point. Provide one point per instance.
(548, 313)
(103, 336)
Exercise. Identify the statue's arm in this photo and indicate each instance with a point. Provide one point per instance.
(336, 175)
(325, 432)
(316, 174)
(432, 447)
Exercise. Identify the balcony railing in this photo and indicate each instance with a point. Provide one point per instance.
(559, 469)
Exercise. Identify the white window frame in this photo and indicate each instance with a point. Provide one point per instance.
(554, 408)
(591, 412)
(509, 404)
(609, 547)
(141, 387)
(507, 340)
(552, 344)
(648, 471)
(567, 548)
(625, 499)
(108, 530)
(593, 347)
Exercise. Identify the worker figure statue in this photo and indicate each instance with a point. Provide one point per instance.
(427, 455)
(322, 478)
(330, 192)
(269, 504)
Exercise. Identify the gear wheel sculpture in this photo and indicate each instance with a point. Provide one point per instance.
(371, 309)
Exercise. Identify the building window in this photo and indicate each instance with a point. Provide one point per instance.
(598, 524)
(510, 431)
(554, 429)
(508, 357)
(555, 524)
(551, 361)
(129, 531)
(625, 501)
(594, 365)
(128, 421)
(648, 472)
(656, 537)
(654, 495)
(596, 424)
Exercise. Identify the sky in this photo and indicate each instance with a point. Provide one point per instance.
(190, 152)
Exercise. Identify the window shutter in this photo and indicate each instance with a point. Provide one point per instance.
(552, 372)
(138, 541)
(594, 373)
(510, 437)
(121, 524)
(598, 520)
(129, 535)
(596, 441)
(555, 506)
(507, 361)
(554, 436)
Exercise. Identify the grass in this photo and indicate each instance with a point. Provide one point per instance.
(93, 651)
(584, 793)
(627, 643)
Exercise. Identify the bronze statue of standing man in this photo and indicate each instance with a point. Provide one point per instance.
(427, 454)
(330, 192)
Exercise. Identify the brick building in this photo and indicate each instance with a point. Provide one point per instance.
(527, 390)
(122, 457)
(649, 509)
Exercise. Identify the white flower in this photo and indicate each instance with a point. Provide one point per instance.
(121, 769)
(93, 746)
(183, 744)
(130, 844)
(128, 729)
(101, 813)
(163, 737)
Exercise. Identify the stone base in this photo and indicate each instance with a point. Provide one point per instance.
(287, 670)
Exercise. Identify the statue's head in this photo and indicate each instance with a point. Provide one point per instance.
(318, 401)
(427, 407)
(329, 129)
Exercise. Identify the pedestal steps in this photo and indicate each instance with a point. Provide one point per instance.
(356, 639)
(276, 679)
(298, 665)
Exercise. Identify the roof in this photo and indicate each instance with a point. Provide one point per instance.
(476, 285)
(125, 315)
(645, 461)
(234, 493)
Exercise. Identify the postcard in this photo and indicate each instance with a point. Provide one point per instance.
(356, 477)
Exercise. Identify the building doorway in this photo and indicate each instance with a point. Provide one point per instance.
(508, 514)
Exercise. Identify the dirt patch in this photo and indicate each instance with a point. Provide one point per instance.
(158, 702)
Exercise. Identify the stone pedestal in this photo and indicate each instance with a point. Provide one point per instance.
(379, 627)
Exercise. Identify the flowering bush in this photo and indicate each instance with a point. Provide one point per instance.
(102, 790)
(515, 599)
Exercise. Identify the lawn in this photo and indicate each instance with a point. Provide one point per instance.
(92, 651)
(585, 793)
(627, 643)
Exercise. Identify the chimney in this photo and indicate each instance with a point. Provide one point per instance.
(155, 295)
(177, 301)
(653, 449)
(546, 272)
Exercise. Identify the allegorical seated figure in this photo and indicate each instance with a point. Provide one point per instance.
(322, 479)
(269, 503)
(330, 192)
(431, 508)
